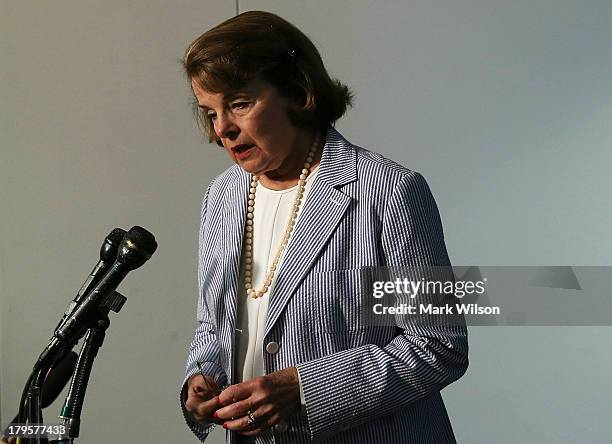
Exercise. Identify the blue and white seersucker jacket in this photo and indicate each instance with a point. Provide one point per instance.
(362, 384)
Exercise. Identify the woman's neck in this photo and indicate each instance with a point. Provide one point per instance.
(287, 176)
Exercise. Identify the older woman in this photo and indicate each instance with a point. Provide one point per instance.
(280, 354)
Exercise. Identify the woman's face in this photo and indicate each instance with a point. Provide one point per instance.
(254, 128)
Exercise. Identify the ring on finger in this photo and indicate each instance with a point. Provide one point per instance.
(250, 418)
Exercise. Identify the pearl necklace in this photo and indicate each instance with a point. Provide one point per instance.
(248, 255)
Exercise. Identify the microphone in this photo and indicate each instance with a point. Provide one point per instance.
(137, 246)
(108, 253)
(57, 378)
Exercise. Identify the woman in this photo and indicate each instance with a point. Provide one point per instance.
(284, 236)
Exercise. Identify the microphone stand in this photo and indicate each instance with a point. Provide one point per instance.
(34, 404)
(94, 338)
(71, 411)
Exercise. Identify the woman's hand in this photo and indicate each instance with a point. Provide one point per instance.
(202, 400)
(269, 398)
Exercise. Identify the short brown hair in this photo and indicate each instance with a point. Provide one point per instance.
(259, 44)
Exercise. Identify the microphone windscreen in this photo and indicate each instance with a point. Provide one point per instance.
(143, 239)
(57, 378)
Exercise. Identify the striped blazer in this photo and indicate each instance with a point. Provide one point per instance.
(361, 384)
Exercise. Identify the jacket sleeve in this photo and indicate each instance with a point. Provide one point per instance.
(421, 360)
(205, 345)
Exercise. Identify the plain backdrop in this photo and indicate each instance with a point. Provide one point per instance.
(504, 107)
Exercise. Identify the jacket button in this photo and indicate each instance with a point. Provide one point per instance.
(272, 347)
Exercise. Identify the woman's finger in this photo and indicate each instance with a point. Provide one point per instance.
(262, 425)
(202, 409)
(236, 409)
(265, 417)
(237, 392)
(199, 384)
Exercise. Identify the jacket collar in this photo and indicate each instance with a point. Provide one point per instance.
(339, 160)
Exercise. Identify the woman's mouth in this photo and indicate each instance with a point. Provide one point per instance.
(242, 151)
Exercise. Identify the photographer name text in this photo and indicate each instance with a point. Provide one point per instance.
(431, 309)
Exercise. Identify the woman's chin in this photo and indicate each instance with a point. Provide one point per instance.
(250, 167)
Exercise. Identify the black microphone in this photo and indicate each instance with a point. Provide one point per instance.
(57, 378)
(137, 246)
(108, 254)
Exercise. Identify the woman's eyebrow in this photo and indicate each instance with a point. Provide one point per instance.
(244, 91)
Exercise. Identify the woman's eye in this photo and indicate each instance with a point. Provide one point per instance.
(240, 105)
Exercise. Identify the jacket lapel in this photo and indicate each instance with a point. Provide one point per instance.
(322, 212)
(234, 216)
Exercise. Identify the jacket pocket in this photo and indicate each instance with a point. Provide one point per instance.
(342, 299)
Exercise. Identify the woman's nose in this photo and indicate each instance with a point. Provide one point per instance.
(225, 127)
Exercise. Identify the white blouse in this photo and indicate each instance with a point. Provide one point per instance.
(271, 213)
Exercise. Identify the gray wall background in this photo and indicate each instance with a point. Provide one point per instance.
(505, 108)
